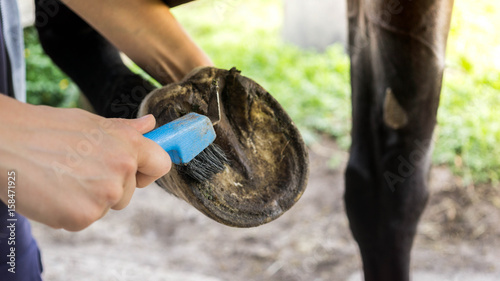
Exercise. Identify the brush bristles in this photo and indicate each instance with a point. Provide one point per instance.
(205, 165)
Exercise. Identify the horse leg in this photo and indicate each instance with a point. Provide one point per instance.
(397, 59)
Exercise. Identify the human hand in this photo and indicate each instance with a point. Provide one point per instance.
(73, 166)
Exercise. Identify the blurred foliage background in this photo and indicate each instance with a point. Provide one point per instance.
(314, 87)
(45, 82)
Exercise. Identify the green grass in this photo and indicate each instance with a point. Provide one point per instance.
(469, 116)
(45, 83)
(314, 87)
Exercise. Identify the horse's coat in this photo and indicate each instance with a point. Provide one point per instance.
(397, 60)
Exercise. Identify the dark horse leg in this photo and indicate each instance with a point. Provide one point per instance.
(397, 59)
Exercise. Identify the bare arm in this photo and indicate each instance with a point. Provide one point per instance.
(147, 32)
(73, 166)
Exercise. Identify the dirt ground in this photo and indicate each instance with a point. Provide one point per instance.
(159, 237)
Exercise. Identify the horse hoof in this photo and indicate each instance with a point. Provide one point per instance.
(268, 164)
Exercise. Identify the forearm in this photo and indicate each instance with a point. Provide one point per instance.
(147, 32)
(6, 120)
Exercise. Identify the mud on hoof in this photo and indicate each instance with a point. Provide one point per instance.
(268, 164)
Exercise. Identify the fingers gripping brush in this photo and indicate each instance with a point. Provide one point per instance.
(188, 141)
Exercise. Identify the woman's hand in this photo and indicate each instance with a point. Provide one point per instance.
(73, 166)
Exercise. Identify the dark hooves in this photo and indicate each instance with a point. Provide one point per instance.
(268, 164)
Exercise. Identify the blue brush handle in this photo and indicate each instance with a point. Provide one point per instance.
(184, 138)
